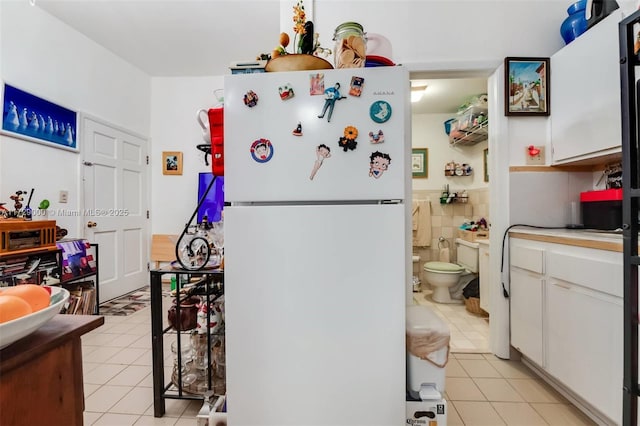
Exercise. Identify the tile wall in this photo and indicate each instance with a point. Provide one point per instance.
(447, 218)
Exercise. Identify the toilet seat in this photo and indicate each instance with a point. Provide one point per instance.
(443, 267)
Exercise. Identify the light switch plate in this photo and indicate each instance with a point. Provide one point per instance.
(64, 196)
(535, 160)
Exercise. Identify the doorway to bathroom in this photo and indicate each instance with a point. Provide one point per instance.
(459, 170)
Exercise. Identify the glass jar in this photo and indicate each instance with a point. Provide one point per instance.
(351, 46)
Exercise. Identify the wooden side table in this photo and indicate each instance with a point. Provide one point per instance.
(41, 374)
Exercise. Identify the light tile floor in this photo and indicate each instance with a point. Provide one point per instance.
(469, 332)
(480, 388)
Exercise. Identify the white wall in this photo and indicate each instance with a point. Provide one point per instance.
(174, 104)
(428, 132)
(447, 31)
(46, 58)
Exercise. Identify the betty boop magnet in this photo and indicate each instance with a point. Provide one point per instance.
(262, 150)
(378, 164)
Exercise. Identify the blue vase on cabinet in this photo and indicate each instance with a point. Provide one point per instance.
(576, 23)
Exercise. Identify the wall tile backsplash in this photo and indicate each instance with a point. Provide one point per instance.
(447, 218)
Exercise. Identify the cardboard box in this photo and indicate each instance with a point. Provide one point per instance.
(427, 413)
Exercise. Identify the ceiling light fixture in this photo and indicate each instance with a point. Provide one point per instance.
(417, 92)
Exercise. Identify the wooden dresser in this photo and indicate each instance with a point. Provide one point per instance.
(41, 374)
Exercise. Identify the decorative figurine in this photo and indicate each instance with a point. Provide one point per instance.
(322, 152)
(331, 95)
(17, 200)
(306, 39)
(298, 130)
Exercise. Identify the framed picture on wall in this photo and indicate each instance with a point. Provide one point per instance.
(29, 117)
(485, 162)
(419, 162)
(526, 86)
(171, 163)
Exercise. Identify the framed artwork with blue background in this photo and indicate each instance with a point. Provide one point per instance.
(31, 118)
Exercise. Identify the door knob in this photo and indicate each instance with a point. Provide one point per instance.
(91, 224)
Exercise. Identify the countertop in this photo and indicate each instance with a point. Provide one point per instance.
(589, 238)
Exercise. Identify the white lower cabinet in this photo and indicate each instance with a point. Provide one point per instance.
(483, 272)
(578, 294)
(584, 344)
(526, 313)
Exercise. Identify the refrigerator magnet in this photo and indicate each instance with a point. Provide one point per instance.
(286, 91)
(355, 89)
(298, 130)
(250, 99)
(348, 141)
(377, 137)
(262, 150)
(322, 152)
(331, 95)
(378, 164)
(380, 111)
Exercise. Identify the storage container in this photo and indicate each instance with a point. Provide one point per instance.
(427, 349)
(602, 209)
(351, 46)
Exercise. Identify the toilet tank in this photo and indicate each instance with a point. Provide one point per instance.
(467, 254)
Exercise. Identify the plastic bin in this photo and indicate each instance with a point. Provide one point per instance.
(428, 339)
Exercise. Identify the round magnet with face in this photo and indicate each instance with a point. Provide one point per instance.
(250, 99)
(262, 150)
(380, 111)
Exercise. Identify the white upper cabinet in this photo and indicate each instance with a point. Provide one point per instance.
(585, 95)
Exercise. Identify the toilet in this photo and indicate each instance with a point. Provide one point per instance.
(449, 279)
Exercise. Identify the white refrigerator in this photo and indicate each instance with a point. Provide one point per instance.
(317, 247)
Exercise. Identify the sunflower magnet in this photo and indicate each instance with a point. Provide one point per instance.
(348, 141)
(261, 150)
(378, 164)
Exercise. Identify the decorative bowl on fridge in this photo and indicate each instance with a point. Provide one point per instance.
(297, 62)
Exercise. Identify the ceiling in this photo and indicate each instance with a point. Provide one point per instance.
(192, 38)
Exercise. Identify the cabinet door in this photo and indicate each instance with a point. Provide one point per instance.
(526, 313)
(584, 344)
(585, 94)
(485, 285)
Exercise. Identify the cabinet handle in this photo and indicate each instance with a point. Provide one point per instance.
(565, 286)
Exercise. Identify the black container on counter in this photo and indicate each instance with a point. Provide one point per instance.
(602, 209)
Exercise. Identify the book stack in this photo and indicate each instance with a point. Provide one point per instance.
(82, 298)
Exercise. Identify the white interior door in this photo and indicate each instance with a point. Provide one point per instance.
(115, 205)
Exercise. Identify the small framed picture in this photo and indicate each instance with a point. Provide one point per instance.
(171, 163)
(486, 164)
(419, 162)
(526, 86)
